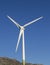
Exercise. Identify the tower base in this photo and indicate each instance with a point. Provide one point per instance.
(23, 62)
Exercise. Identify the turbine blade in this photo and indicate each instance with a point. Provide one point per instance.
(32, 21)
(14, 22)
(18, 39)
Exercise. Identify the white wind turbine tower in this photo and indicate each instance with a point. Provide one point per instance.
(22, 28)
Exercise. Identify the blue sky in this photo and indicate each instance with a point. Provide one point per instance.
(37, 35)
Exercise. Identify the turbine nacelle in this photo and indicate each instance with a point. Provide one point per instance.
(22, 28)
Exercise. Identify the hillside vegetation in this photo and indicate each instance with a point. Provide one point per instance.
(8, 61)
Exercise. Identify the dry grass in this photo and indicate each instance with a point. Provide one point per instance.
(8, 61)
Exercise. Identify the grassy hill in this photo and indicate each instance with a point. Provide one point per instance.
(8, 61)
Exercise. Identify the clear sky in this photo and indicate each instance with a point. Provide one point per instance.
(37, 35)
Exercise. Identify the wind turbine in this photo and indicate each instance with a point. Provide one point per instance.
(22, 28)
